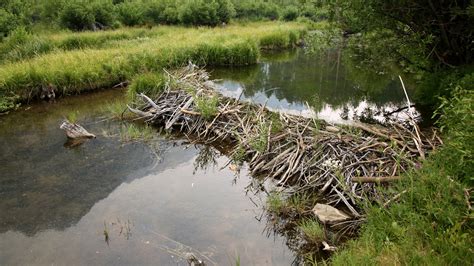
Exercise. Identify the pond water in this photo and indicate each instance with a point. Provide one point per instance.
(56, 201)
(330, 85)
(110, 201)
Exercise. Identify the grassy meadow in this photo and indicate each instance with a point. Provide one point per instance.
(76, 62)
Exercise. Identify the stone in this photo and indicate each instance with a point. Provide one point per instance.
(329, 214)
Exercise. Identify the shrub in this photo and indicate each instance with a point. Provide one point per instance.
(270, 11)
(104, 14)
(290, 13)
(131, 13)
(225, 10)
(77, 16)
(8, 22)
(456, 121)
(199, 12)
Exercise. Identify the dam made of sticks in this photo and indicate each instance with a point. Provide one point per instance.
(346, 164)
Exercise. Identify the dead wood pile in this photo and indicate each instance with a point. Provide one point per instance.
(346, 163)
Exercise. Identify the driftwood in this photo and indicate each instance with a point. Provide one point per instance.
(375, 179)
(75, 131)
(305, 153)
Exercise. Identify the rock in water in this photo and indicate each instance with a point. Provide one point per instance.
(75, 131)
(329, 214)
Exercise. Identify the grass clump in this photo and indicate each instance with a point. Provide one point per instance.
(207, 106)
(72, 116)
(116, 109)
(150, 84)
(312, 230)
(133, 132)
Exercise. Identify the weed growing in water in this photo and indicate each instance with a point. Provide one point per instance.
(238, 156)
(72, 116)
(275, 203)
(133, 132)
(312, 230)
(117, 109)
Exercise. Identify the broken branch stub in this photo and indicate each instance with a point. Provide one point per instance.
(75, 131)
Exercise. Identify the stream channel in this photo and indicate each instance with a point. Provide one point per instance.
(110, 201)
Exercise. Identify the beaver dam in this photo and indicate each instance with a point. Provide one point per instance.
(346, 164)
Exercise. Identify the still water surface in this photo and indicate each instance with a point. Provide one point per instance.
(156, 201)
(331, 86)
(56, 202)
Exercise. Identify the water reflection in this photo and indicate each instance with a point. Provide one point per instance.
(110, 202)
(331, 84)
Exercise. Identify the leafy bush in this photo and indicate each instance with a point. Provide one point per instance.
(104, 14)
(290, 13)
(225, 10)
(456, 121)
(77, 16)
(199, 12)
(8, 22)
(256, 10)
(131, 13)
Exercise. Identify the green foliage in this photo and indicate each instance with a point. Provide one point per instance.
(8, 22)
(207, 106)
(312, 230)
(104, 14)
(150, 84)
(131, 13)
(77, 16)
(457, 123)
(134, 132)
(256, 10)
(225, 10)
(450, 43)
(123, 56)
(72, 116)
(199, 12)
(21, 44)
(290, 13)
(260, 139)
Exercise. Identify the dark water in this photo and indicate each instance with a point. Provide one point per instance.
(331, 86)
(56, 202)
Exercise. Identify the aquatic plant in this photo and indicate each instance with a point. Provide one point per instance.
(133, 132)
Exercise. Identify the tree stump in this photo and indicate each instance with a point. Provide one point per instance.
(75, 131)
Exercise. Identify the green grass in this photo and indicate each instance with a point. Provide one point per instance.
(88, 69)
(312, 230)
(133, 132)
(207, 106)
(150, 84)
(432, 223)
